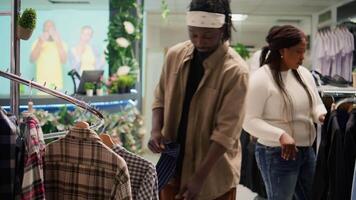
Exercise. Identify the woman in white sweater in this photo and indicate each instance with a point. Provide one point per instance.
(282, 105)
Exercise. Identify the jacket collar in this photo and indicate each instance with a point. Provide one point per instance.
(213, 59)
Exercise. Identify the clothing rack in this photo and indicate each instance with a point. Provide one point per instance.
(336, 91)
(60, 95)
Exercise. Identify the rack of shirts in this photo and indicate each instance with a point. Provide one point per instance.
(60, 95)
(79, 165)
(337, 151)
(333, 52)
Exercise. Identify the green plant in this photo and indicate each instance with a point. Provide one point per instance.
(124, 31)
(164, 9)
(89, 86)
(242, 50)
(126, 125)
(28, 19)
(354, 71)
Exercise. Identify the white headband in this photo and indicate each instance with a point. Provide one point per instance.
(205, 19)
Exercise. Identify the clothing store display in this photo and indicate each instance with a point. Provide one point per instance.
(222, 87)
(8, 136)
(166, 165)
(267, 121)
(33, 180)
(336, 157)
(333, 52)
(289, 178)
(143, 176)
(80, 166)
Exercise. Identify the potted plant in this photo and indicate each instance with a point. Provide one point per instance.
(99, 88)
(89, 88)
(26, 24)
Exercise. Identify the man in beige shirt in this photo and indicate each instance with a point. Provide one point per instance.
(199, 103)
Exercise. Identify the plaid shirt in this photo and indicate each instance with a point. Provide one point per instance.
(33, 182)
(80, 166)
(8, 135)
(143, 175)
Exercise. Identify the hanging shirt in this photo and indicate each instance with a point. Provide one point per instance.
(143, 176)
(33, 181)
(8, 135)
(80, 166)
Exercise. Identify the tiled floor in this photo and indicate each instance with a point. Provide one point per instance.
(242, 193)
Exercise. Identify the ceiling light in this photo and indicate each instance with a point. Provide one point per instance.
(238, 17)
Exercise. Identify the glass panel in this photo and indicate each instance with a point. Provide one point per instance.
(5, 35)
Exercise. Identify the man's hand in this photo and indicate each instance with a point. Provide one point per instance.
(155, 144)
(289, 149)
(191, 190)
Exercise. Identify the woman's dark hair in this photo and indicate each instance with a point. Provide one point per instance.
(279, 38)
(215, 6)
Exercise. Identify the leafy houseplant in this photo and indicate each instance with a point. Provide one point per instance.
(123, 35)
(89, 88)
(99, 88)
(26, 23)
(242, 50)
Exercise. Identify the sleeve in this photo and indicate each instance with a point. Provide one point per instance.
(230, 115)
(255, 103)
(158, 99)
(121, 189)
(148, 189)
(318, 106)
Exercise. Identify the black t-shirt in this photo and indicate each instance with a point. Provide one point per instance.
(196, 73)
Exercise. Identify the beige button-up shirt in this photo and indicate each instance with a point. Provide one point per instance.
(216, 112)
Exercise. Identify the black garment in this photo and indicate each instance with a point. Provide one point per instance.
(196, 73)
(320, 183)
(329, 181)
(8, 135)
(350, 152)
(335, 158)
(250, 173)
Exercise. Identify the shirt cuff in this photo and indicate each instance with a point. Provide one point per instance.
(319, 110)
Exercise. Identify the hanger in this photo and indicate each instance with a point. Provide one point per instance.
(347, 103)
(107, 140)
(82, 125)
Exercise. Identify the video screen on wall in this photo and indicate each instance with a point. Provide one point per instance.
(63, 40)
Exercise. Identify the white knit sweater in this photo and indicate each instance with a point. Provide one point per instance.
(265, 116)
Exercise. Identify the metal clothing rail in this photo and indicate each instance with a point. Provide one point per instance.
(337, 91)
(60, 95)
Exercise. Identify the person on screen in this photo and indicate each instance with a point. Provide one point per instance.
(83, 56)
(49, 53)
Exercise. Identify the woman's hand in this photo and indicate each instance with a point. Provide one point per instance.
(322, 118)
(289, 149)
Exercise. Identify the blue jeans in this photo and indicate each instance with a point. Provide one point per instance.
(286, 179)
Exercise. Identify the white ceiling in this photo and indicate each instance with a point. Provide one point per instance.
(255, 7)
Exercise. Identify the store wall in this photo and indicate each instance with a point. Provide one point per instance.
(68, 23)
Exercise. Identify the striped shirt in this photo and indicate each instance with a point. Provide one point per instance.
(80, 166)
(143, 176)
